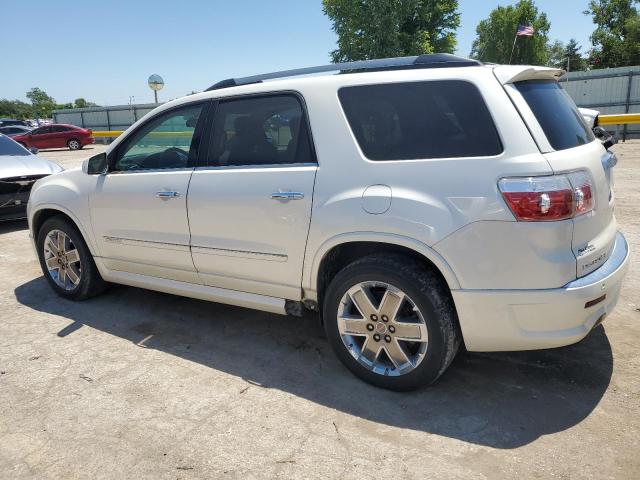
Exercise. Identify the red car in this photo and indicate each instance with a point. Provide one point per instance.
(57, 135)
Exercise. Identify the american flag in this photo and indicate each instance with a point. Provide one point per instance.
(525, 31)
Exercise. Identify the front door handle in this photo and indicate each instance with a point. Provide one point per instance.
(166, 194)
(287, 195)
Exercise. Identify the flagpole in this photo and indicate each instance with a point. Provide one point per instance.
(514, 46)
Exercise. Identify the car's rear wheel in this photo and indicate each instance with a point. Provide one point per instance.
(391, 322)
(66, 261)
(74, 144)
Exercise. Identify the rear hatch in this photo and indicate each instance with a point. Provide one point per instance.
(568, 145)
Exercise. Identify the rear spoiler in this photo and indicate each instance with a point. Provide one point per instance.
(517, 73)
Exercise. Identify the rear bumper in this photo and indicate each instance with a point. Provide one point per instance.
(500, 320)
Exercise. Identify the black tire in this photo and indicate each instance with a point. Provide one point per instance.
(74, 144)
(91, 283)
(430, 295)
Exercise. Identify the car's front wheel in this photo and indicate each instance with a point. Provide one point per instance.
(66, 261)
(74, 144)
(391, 322)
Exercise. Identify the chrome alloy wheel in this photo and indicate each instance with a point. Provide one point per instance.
(62, 260)
(382, 328)
(74, 144)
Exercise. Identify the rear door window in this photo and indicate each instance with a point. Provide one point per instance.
(556, 113)
(419, 120)
(260, 130)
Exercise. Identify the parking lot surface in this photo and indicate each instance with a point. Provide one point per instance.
(137, 384)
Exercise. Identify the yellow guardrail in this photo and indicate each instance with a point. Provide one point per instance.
(619, 119)
(107, 133)
(117, 133)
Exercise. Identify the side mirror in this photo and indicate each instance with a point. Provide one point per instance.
(97, 165)
(33, 150)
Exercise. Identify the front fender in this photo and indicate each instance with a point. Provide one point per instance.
(66, 192)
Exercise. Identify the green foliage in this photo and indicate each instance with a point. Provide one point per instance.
(81, 103)
(369, 29)
(616, 39)
(566, 56)
(15, 109)
(495, 35)
(555, 54)
(42, 105)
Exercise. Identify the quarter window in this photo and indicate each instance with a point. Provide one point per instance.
(167, 141)
(260, 131)
(418, 120)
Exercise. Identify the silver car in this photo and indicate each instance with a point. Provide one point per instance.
(19, 170)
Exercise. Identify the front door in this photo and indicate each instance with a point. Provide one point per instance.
(139, 209)
(250, 208)
(41, 137)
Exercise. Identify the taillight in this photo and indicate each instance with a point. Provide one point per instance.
(549, 198)
(582, 190)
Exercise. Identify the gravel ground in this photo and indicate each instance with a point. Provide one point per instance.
(137, 384)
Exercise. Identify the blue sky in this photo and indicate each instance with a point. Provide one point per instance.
(104, 51)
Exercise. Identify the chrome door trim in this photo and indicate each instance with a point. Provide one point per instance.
(288, 166)
(151, 170)
(146, 243)
(226, 252)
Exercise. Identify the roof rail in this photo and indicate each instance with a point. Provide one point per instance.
(435, 60)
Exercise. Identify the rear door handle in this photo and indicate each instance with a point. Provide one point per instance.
(287, 195)
(166, 194)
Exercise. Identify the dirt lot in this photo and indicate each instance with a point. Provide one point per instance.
(136, 384)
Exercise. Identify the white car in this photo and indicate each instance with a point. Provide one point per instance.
(416, 203)
(19, 170)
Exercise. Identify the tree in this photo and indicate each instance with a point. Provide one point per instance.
(15, 109)
(495, 35)
(82, 103)
(555, 54)
(42, 104)
(566, 56)
(616, 39)
(392, 28)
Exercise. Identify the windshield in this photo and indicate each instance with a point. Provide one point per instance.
(9, 147)
(556, 113)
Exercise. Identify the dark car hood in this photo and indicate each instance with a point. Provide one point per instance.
(26, 165)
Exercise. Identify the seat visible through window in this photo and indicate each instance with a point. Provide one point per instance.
(267, 130)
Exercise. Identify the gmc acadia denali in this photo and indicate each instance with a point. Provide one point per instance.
(416, 203)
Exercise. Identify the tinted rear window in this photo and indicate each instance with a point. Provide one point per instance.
(556, 113)
(436, 119)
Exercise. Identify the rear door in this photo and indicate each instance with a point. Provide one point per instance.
(569, 145)
(250, 208)
(59, 136)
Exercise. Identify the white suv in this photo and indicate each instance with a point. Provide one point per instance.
(415, 202)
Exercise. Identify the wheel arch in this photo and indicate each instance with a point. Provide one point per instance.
(41, 215)
(339, 251)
